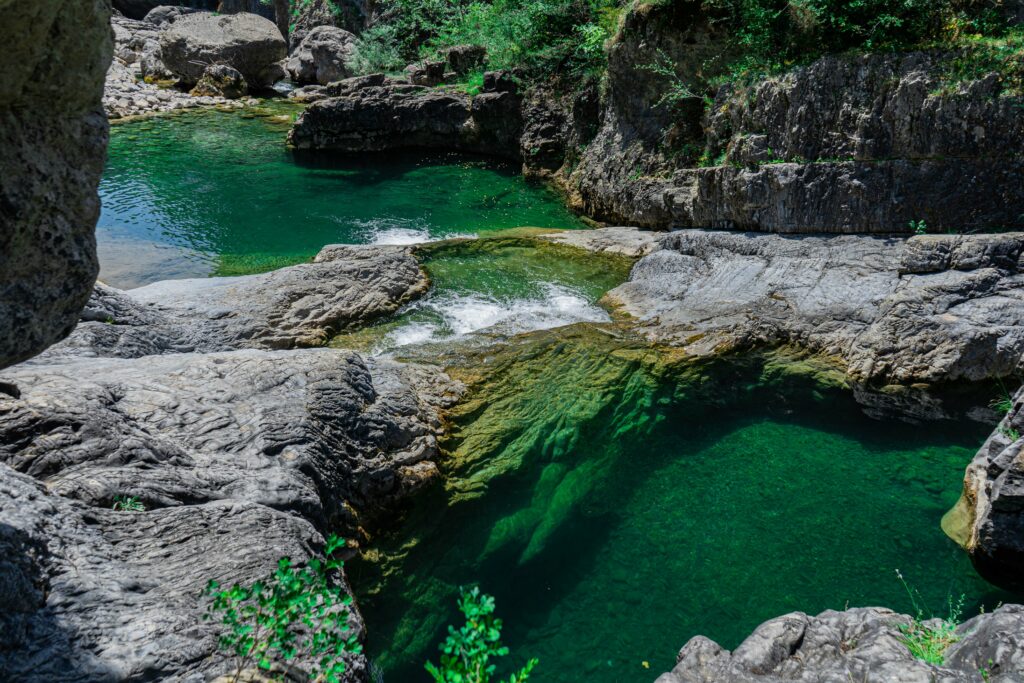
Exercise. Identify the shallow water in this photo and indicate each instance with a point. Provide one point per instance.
(207, 193)
(617, 504)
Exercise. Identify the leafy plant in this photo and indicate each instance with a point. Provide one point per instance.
(128, 504)
(376, 50)
(929, 641)
(467, 652)
(919, 227)
(677, 90)
(296, 612)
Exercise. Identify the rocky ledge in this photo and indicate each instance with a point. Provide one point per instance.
(925, 310)
(168, 394)
(860, 645)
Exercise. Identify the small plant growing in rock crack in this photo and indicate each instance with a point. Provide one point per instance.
(128, 504)
(678, 90)
(1010, 433)
(467, 652)
(1004, 403)
(919, 227)
(296, 612)
(929, 642)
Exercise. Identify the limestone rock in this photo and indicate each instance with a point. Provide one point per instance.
(220, 80)
(167, 14)
(378, 114)
(861, 644)
(246, 42)
(461, 59)
(54, 136)
(988, 521)
(221, 449)
(298, 306)
(137, 9)
(930, 309)
(428, 73)
(350, 15)
(322, 56)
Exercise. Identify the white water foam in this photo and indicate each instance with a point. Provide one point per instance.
(403, 232)
(464, 314)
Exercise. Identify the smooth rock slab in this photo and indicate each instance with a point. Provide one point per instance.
(298, 306)
(896, 311)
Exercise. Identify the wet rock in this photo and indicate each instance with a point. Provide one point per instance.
(627, 241)
(54, 136)
(247, 42)
(220, 449)
(860, 644)
(322, 56)
(399, 115)
(220, 80)
(988, 521)
(299, 306)
(961, 320)
(461, 59)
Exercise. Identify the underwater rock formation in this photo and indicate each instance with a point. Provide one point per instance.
(862, 644)
(54, 136)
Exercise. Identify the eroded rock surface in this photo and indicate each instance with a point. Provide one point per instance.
(239, 458)
(856, 645)
(299, 306)
(54, 136)
(930, 309)
(988, 521)
(322, 56)
(363, 115)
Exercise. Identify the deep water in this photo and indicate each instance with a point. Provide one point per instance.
(618, 502)
(207, 193)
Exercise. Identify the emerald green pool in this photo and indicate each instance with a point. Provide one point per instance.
(206, 193)
(616, 506)
(616, 498)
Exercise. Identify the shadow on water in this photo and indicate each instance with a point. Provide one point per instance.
(618, 500)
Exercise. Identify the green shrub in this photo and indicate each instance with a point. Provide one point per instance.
(376, 50)
(467, 653)
(296, 612)
(929, 641)
(128, 504)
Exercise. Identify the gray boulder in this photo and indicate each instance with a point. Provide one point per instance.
(167, 14)
(461, 59)
(350, 15)
(220, 80)
(54, 137)
(300, 306)
(860, 644)
(322, 56)
(429, 73)
(246, 42)
(374, 114)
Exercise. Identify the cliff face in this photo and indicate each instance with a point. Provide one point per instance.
(851, 143)
(53, 134)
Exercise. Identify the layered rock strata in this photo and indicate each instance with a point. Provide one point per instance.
(239, 455)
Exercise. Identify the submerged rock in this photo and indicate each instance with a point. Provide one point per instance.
(246, 42)
(54, 136)
(861, 644)
(322, 56)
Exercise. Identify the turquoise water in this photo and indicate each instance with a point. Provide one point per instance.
(206, 193)
(615, 511)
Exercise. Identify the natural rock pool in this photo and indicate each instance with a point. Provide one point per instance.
(212, 193)
(616, 497)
